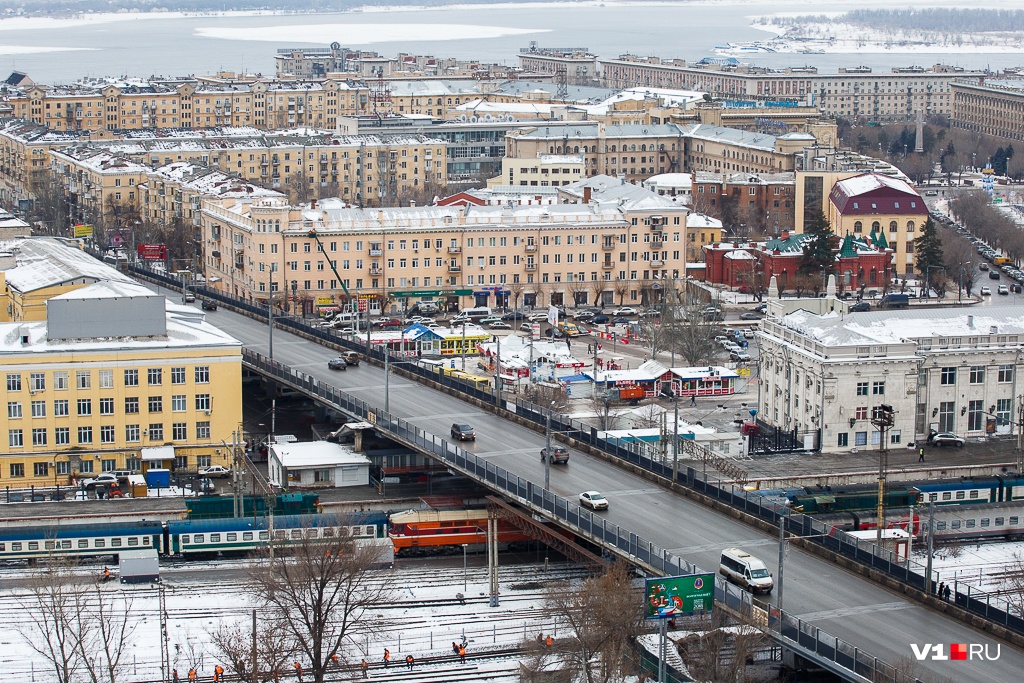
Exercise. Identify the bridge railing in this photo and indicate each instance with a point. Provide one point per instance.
(595, 527)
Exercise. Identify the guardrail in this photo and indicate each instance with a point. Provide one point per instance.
(990, 606)
(805, 637)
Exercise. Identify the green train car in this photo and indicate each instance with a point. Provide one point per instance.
(223, 507)
(811, 504)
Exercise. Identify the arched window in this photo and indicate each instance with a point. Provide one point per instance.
(632, 148)
(613, 148)
(893, 226)
(858, 227)
(643, 148)
(576, 149)
(876, 226)
(910, 226)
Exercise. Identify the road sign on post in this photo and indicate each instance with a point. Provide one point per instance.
(672, 596)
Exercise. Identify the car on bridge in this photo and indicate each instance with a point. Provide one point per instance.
(559, 455)
(337, 363)
(593, 500)
(947, 439)
(463, 432)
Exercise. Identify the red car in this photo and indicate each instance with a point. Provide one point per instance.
(384, 323)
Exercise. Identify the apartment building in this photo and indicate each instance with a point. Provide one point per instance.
(112, 377)
(855, 93)
(336, 61)
(942, 370)
(101, 186)
(577, 63)
(993, 107)
(531, 254)
(24, 157)
(729, 150)
(547, 170)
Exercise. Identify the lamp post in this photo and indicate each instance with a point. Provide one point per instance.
(547, 450)
(270, 313)
(295, 298)
(960, 282)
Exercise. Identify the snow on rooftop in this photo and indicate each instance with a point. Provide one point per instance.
(316, 454)
(47, 261)
(868, 182)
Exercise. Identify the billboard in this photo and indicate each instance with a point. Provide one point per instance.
(83, 230)
(671, 596)
(152, 252)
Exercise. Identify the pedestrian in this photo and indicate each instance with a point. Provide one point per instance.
(191, 674)
(335, 659)
(174, 676)
(462, 653)
(106, 575)
(218, 673)
(942, 587)
(298, 671)
(693, 399)
(549, 641)
(365, 667)
(947, 593)
(455, 647)
(387, 657)
(540, 637)
(409, 661)
(920, 454)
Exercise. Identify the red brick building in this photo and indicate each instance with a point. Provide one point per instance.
(750, 265)
(747, 202)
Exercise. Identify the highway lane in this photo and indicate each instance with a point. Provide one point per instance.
(876, 620)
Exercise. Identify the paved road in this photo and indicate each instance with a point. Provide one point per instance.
(876, 620)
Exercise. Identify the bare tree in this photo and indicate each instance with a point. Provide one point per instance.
(107, 621)
(50, 610)
(297, 186)
(234, 641)
(604, 615)
(50, 207)
(548, 396)
(320, 591)
(597, 288)
(621, 289)
(516, 289)
(694, 337)
(721, 654)
(576, 288)
(601, 403)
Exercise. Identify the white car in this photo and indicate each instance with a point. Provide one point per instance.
(105, 479)
(1004, 290)
(593, 500)
(625, 310)
(986, 291)
(218, 471)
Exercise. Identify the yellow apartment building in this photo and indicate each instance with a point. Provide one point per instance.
(611, 247)
(547, 170)
(101, 186)
(115, 379)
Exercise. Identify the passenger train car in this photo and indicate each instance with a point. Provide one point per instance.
(952, 522)
(192, 538)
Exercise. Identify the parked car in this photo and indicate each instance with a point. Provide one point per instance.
(761, 308)
(537, 317)
(651, 313)
(499, 325)
(104, 479)
(215, 471)
(583, 315)
(986, 291)
(559, 455)
(947, 439)
(983, 266)
(463, 432)
(209, 305)
(526, 327)
(624, 310)
(489, 319)
(740, 356)
(749, 316)
(599, 319)
(593, 500)
(513, 315)
(337, 363)
(860, 307)
(385, 323)
(993, 275)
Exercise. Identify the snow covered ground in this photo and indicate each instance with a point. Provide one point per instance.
(424, 619)
(979, 564)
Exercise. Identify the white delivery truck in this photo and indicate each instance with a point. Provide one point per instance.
(743, 569)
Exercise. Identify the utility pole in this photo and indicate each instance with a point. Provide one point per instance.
(782, 558)
(387, 379)
(255, 662)
(883, 417)
(270, 311)
(931, 536)
(547, 451)
(675, 438)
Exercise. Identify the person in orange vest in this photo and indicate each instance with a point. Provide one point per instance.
(298, 671)
(387, 657)
(218, 673)
(462, 653)
(365, 667)
(192, 674)
(174, 676)
(409, 661)
(335, 660)
(549, 641)
(106, 575)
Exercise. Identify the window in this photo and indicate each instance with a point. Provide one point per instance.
(155, 376)
(878, 388)
(41, 469)
(131, 405)
(1005, 374)
(156, 404)
(85, 436)
(202, 374)
(106, 406)
(13, 409)
(946, 416)
(977, 374)
(38, 408)
(83, 379)
(203, 461)
(156, 431)
(106, 379)
(39, 437)
(1003, 408)
(861, 412)
(895, 436)
(84, 407)
(131, 378)
(62, 436)
(13, 382)
(177, 375)
(178, 403)
(37, 381)
(844, 440)
(203, 402)
(63, 467)
(17, 470)
(948, 376)
(860, 439)
(131, 432)
(60, 381)
(179, 431)
(203, 430)
(974, 416)
(60, 408)
(107, 434)
(862, 388)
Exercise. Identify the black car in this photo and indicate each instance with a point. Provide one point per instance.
(463, 432)
(993, 275)
(860, 307)
(600, 319)
(620, 321)
(209, 305)
(337, 363)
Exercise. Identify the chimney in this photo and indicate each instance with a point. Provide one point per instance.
(312, 204)
(970, 321)
(586, 195)
(993, 329)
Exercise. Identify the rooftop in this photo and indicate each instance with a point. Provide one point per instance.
(49, 261)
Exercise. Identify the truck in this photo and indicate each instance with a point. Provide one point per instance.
(138, 566)
(895, 301)
(1002, 260)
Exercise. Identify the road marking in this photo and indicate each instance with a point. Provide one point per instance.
(746, 543)
(861, 609)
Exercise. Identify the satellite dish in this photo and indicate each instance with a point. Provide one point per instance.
(463, 118)
(472, 119)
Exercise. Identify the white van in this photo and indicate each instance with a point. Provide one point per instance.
(743, 569)
(475, 313)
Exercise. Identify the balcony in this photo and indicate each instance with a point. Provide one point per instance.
(608, 265)
(657, 264)
(375, 271)
(454, 269)
(454, 250)
(530, 267)
(531, 247)
(608, 245)
(657, 244)
(376, 252)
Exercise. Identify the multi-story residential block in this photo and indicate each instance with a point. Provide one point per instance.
(577, 63)
(112, 378)
(857, 93)
(25, 158)
(994, 107)
(547, 170)
(528, 254)
(101, 187)
(942, 370)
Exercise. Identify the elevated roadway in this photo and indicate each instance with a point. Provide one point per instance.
(823, 595)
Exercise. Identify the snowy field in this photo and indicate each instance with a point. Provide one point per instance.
(980, 564)
(424, 619)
